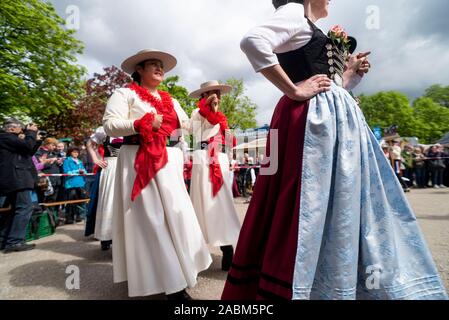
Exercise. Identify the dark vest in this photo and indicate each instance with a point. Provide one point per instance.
(111, 149)
(319, 56)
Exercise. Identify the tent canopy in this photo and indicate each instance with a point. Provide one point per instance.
(256, 144)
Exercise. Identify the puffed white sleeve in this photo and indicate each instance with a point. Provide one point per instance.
(116, 120)
(99, 136)
(286, 24)
(353, 82)
(184, 120)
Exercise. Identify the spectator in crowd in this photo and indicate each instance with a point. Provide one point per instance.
(74, 185)
(446, 171)
(396, 161)
(242, 177)
(251, 174)
(233, 173)
(48, 156)
(60, 150)
(17, 179)
(407, 157)
(386, 150)
(419, 167)
(437, 165)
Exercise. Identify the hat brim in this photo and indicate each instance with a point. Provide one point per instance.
(169, 61)
(223, 88)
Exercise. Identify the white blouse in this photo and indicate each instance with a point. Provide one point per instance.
(201, 129)
(285, 31)
(99, 136)
(125, 106)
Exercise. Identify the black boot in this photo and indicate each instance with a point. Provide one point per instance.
(228, 254)
(179, 296)
(106, 245)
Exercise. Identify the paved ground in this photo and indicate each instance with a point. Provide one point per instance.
(40, 274)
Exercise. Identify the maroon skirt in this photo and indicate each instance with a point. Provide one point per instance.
(264, 259)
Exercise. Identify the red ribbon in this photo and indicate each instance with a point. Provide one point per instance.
(214, 118)
(152, 154)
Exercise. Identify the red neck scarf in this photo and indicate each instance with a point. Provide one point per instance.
(152, 154)
(214, 118)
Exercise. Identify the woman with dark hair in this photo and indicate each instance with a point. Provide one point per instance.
(157, 244)
(332, 222)
(210, 189)
(101, 214)
(74, 186)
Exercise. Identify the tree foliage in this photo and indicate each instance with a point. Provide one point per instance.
(439, 94)
(80, 121)
(178, 92)
(385, 109)
(425, 119)
(38, 74)
(238, 108)
(432, 119)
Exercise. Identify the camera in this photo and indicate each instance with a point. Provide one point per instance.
(43, 134)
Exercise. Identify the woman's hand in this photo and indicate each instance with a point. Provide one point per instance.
(157, 122)
(359, 64)
(102, 164)
(311, 87)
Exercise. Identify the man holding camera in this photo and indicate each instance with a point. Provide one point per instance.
(17, 178)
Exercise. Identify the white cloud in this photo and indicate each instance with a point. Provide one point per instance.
(407, 52)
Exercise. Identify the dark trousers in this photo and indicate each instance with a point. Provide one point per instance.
(437, 176)
(13, 225)
(420, 174)
(408, 173)
(72, 210)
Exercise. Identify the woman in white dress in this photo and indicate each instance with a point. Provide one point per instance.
(105, 200)
(210, 188)
(157, 244)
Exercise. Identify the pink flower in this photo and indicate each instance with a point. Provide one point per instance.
(338, 32)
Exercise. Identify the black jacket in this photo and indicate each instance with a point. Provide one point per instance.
(17, 171)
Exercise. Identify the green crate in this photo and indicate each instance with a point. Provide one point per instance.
(44, 228)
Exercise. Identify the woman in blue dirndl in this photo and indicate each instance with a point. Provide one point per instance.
(333, 221)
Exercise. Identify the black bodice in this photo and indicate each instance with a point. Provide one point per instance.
(111, 149)
(319, 56)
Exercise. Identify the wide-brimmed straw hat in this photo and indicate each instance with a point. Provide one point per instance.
(210, 86)
(129, 65)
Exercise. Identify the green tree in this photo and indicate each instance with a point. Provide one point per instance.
(87, 113)
(178, 92)
(238, 108)
(385, 109)
(38, 74)
(439, 94)
(432, 119)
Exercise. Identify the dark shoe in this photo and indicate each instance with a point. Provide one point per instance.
(19, 247)
(69, 222)
(228, 254)
(179, 296)
(106, 245)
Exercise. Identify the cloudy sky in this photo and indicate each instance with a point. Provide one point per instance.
(408, 39)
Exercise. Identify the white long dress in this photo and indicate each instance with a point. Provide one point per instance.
(157, 245)
(217, 215)
(103, 221)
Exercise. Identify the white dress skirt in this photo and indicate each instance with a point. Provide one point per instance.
(157, 244)
(217, 216)
(103, 221)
